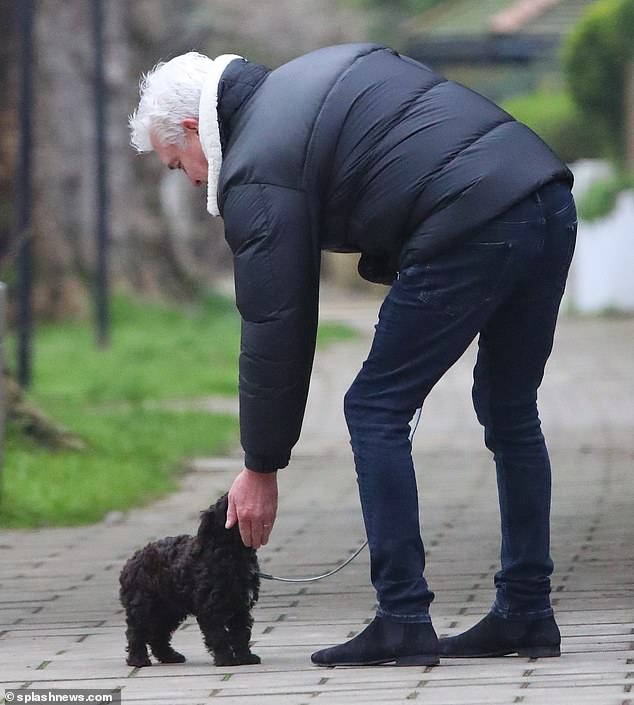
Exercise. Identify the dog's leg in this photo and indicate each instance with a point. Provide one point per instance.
(239, 635)
(228, 639)
(216, 640)
(162, 636)
(137, 649)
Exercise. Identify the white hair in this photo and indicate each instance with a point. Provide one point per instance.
(169, 94)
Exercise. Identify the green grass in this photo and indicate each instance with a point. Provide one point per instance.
(156, 352)
(555, 117)
(133, 457)
(115, 401)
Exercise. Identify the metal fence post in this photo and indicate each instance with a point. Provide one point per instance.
(3, 396)
(101, 103)
(24, 193)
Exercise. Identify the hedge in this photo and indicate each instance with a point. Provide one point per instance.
(597, 57)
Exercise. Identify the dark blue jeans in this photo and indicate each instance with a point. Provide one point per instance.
(504, 284)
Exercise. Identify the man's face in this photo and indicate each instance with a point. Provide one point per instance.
(189, 157)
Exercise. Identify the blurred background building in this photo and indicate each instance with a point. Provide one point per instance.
(500, 48)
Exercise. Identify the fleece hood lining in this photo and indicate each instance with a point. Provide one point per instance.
(209, 128)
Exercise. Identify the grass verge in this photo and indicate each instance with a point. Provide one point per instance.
(135, 449)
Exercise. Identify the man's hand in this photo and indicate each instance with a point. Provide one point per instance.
(253, 505)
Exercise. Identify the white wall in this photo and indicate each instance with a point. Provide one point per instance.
(602, 272)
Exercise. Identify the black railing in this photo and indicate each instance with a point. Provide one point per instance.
(484, 49)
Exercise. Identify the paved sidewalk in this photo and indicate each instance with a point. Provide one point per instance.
(61, 625)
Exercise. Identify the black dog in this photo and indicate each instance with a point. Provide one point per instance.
(212, 576)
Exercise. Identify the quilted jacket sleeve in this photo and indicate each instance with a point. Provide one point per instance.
(276, 269)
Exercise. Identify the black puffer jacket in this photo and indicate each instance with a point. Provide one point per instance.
(352, 148)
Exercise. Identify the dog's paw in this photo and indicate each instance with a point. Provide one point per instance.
(138, 661)
(237, 660)
(171, 656)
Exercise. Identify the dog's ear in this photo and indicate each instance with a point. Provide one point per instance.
(213, 520)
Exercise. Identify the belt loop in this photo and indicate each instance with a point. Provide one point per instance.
(540, 204)
(538, 198)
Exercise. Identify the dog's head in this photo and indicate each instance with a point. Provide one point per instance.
(212, 523)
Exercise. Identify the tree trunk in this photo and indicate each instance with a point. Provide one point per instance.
(159, 244)
(142, 249)
(8, 126)
(629, 117)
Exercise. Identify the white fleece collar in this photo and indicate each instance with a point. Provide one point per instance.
(209, 129)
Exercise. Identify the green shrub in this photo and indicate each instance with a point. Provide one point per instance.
(597, 56)
(600, 198)
(559, 122)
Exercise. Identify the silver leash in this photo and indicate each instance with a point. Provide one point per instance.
(267, 576)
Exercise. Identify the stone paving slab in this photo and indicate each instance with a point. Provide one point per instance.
(61, 625)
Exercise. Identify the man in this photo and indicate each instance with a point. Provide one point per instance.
(466, 214)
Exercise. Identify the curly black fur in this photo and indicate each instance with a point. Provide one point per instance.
(212, 576)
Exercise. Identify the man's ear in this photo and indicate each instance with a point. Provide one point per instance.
(190, 124)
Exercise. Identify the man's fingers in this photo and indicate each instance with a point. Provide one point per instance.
(253, 506)
(232, 515)
(256, 537)
(261, 535)
(245, 533)
(244, 525)
(250, 534)
(254, 534)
